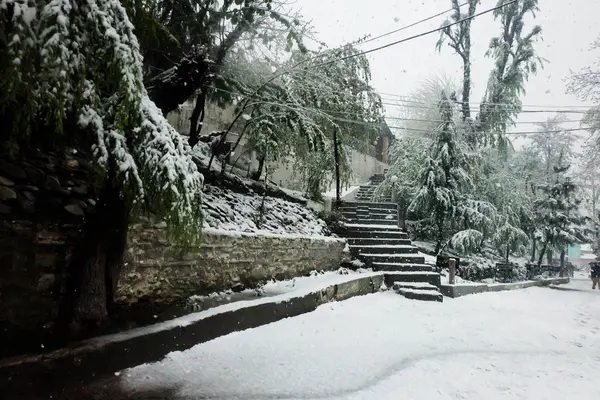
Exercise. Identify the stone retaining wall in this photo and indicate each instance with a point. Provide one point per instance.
(44, 200)
(159, 270)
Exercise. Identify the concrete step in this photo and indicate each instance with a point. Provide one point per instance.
(367, 209)
(360, 233)
(379, 213)
(392, 258)
(373, 227)
(377, 241)
(385, 249)
(431, 277)
(424, 295)
(414, 285)
(372, 205)
(407, 267)
(389, 221)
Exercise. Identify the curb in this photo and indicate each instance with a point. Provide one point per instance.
(455, 291)
(104, 356)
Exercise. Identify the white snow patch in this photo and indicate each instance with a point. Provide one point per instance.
(225, 210)
(375, 226)
(357, 263)
(418, 291)
(524, 344)
(428, 259)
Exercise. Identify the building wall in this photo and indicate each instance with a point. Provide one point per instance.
(363, 165)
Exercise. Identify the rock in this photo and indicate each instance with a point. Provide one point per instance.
(80, 190)
(237, 287)
(52, 183)
(27, 205)
(46, 282)
(92, 202)
(34, 175)
(31, 188)
(28, 195)
(75, 209)
(73, 164)
(4, 209)
(63, 191)
(7, 194)
(6, 182)
(54, 202)
(12, 171)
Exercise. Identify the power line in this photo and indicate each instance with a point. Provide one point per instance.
(399, 97)
(411, 25)
(385, 46)
(377, 124)
(425, 107)
(398, 118)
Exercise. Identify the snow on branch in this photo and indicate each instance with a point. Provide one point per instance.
(86, 62)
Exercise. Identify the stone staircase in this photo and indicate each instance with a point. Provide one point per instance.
(366, 192)
(375, 238)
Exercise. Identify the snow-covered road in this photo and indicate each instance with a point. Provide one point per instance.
(537, 343)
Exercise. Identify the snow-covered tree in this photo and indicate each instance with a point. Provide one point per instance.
(514, 60)
(409, 152)
(444, 175)
(552, 143)
(586, 85)
(508, 237)
(408, 155)
(189, 44)
(71, 74)
(459, 39)
(302, 112)
(558, 210)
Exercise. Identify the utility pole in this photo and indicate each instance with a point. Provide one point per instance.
(336, 158)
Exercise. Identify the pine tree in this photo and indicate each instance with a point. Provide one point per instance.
(444, 174)
(508, 237)
(558, 212)
(514, 60)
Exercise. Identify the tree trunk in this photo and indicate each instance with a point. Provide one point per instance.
(440, 235)
(336, 158)
(97, 260)
(563, 252)
(197, 119)
(507, 253)
(261, 164)
(542, 252)
(533, 248)
(403, 212)
(466, 92)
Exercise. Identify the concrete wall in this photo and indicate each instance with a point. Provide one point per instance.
(363, 165)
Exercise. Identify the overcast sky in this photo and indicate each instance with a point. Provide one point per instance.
(569, 28)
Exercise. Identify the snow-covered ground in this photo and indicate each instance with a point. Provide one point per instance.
(536, 343)
(226, 210)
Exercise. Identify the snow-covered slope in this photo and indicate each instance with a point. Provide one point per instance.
(231, 211)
